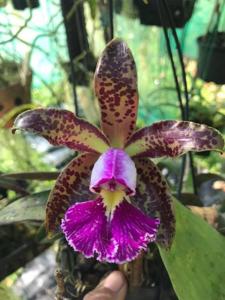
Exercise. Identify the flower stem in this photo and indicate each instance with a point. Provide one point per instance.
(134, 271)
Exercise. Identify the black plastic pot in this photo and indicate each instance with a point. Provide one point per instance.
(211, 60)
(22, 4)
(181, 11)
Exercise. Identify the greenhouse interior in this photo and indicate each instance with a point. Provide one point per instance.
(112, 162)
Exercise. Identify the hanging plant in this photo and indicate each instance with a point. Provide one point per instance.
(211, 60)
(180, 11)
(22, 4)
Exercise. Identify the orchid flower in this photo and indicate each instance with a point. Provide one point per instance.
(131, 204)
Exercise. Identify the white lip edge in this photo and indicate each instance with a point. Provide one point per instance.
(148, 238)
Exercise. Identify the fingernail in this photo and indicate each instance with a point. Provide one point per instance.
(114, 281)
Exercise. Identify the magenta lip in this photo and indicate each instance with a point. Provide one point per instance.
(117, 240)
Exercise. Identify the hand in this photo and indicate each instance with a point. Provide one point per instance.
(113, 287)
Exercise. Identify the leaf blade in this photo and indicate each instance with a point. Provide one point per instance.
(31, 175)
(196, 260)
(28, 208)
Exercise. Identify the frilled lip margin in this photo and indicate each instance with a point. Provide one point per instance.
(118, 238)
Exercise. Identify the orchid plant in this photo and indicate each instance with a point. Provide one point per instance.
(132, 205)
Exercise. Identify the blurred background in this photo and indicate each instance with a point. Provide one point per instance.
(48, 55)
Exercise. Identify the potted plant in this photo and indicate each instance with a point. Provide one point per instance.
(211, 60)
(22, 4)
(181, 11)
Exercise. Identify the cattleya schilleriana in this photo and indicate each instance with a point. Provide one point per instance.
(131, 204)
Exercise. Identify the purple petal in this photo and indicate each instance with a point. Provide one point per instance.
(132, 231)
(173, 138)
(114, 170)
(116, 240)
(87, 230)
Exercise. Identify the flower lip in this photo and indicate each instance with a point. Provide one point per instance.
(114, 170)
(117, 240)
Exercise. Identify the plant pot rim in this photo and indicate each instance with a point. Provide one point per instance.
(203, 40)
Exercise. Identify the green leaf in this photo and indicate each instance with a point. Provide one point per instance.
(8, 184)
(196, 260)
(93, 6)
(31, 175)
(201, 178)
(7, 293)
(25, 209)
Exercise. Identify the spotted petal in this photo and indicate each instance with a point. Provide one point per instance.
(116, 89)
(62, 127)
(173, 138)
(117, 240)
(72, 185)
(153, 198)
